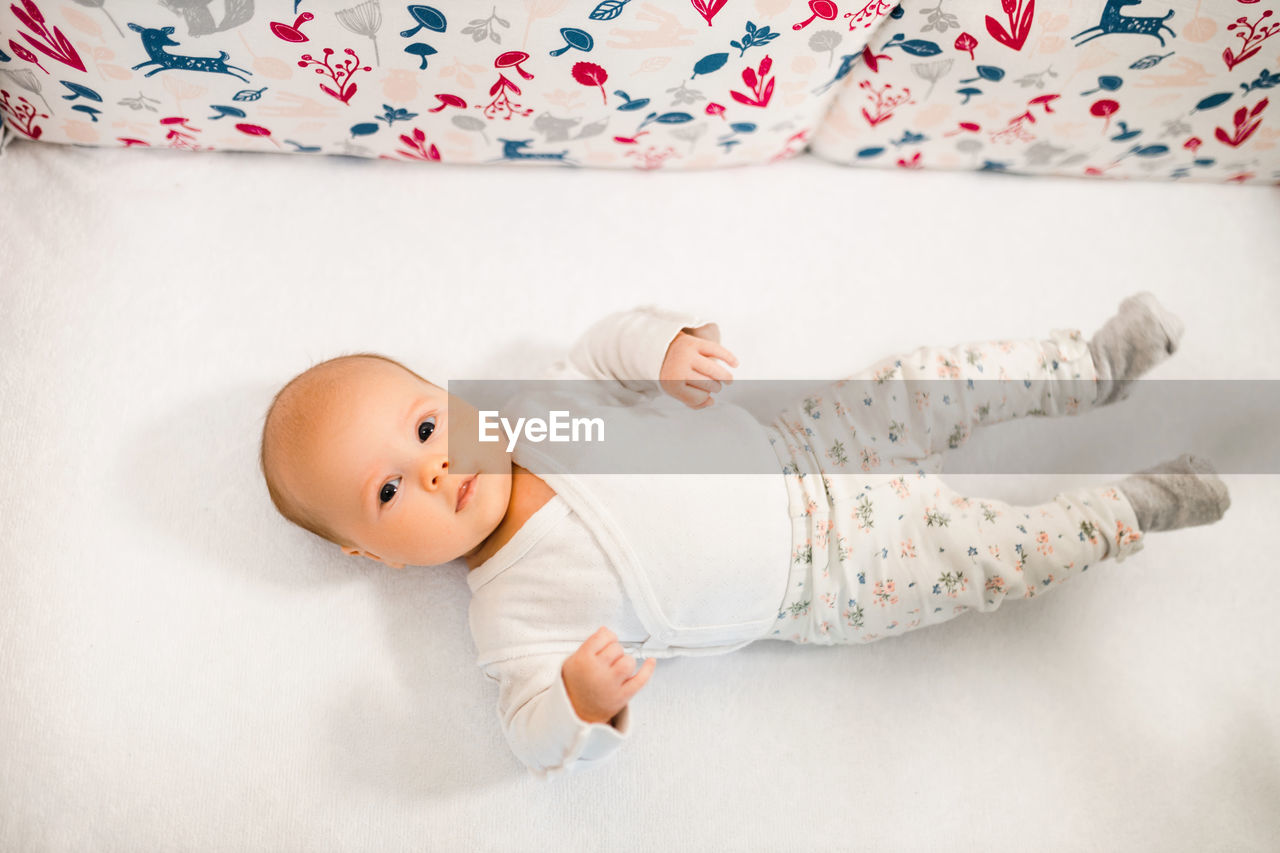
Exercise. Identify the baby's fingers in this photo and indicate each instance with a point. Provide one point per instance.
(714, 350)
(711, 386)
(632, 685)
(601, 638)
(694, 398)
(713, 369)
(624, 665)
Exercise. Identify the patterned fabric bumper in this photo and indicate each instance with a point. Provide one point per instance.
(1114, 88)
(613, 83)
(1103, 87)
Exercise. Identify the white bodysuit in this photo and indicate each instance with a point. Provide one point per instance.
(622, 552)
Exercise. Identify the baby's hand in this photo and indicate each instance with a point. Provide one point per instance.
(692, 372)
(598, 677)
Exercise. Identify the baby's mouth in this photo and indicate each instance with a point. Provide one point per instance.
(465, 491)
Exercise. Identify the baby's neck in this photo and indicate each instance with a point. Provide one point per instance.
(528, 494)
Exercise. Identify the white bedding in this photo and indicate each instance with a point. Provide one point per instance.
(184, 671)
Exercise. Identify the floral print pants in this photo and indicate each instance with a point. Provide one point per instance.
(878, 551)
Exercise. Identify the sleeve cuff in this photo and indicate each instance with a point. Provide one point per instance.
(631, 346)
(582, 743)
(650, 335)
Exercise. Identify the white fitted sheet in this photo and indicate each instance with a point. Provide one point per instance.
(183, 670)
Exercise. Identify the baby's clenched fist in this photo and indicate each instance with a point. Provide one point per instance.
(694, 366)
(601, 679)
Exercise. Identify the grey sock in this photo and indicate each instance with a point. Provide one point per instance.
(1141, 335)
(1182, 492)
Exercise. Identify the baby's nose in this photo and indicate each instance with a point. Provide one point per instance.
(433, 471)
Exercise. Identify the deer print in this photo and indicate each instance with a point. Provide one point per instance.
(155, 41)
(513, 149)
(1113, 22)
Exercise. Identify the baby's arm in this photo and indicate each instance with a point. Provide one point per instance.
(539, 719)
(637, 347)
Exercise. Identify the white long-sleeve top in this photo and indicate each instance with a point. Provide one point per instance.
(672, 564)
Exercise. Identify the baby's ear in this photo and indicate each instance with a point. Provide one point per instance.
(355, 552)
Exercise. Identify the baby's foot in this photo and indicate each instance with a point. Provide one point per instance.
(1141, 335)
(1182, 492)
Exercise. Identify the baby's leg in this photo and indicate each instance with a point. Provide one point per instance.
(1054, 541)
(890, 555)
(905, 408)
(921, 403)
(895, 555)
(992, 550)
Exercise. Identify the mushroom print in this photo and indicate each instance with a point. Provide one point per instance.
(422, 51)
(293, 34)
(427, 17)
(575, 38)
(512, 59)
(824, 9)
(448, 101)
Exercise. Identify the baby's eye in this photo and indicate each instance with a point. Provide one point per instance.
(427, 427)
(388, 491)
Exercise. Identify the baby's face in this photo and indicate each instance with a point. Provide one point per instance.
(377, 470)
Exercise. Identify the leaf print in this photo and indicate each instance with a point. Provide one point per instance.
(864, 513)
(710, 63)
(915, 47)
(1088, 532)
(837, 455)
(608, 10)
(1212, 101)
(934, 518)
(590, 74)
(755, 36)
(1265, 80)
(51, 43)
(1149, 61)
(955, 582)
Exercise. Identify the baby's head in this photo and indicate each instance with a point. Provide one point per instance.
(355, 450)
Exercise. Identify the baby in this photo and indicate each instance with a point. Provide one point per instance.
(835, 549)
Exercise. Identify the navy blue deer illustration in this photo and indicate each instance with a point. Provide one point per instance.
(1113, 22)
(155, 41)
(513, 149)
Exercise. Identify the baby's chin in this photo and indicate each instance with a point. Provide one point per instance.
(486, 511)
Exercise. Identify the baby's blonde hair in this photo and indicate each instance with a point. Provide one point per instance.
(293, 411)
